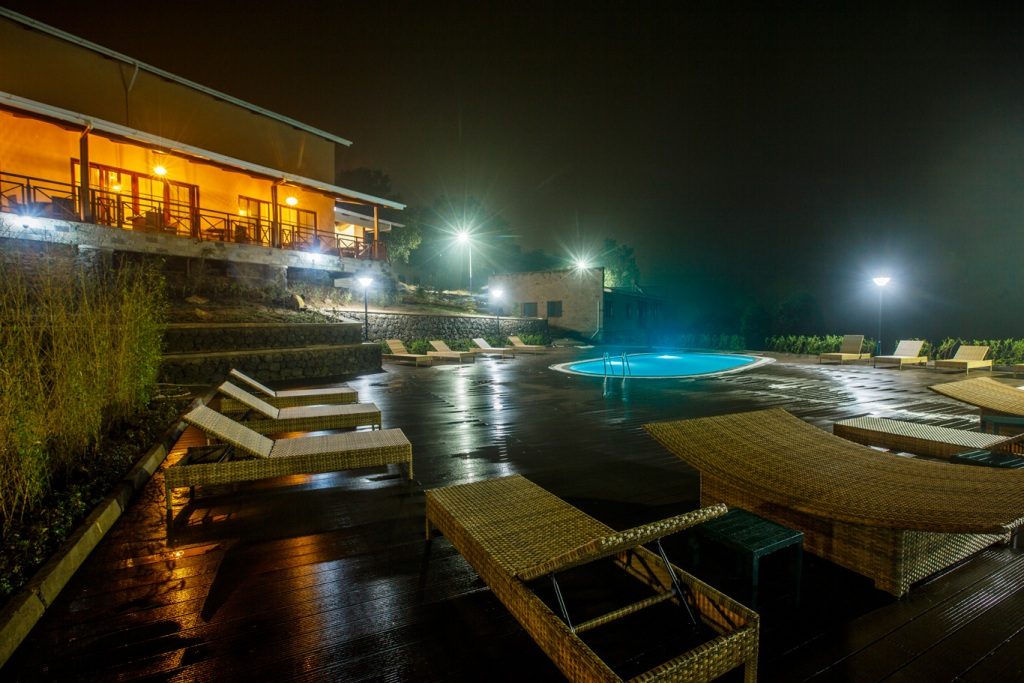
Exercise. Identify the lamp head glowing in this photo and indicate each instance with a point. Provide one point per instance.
(581, 263)
(462, 237)
(497, 294)
(291, 201)
(366, 282)
(160, 170)
(881, 281)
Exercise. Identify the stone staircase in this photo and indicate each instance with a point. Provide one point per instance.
(203, 353)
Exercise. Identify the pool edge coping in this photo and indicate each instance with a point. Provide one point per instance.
(758, 362)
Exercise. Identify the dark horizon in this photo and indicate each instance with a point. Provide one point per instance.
(747, 153)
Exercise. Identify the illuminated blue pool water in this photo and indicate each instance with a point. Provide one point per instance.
(662, 365)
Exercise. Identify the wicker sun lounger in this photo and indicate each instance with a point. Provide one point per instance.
(513, 533)
(519, 346)
(894, 520)
(399, 354)
(965, 358)
(850, 349)
(253, 456)
(482, 346)
(442, 351)
(908, 352)
(912, 437)
(1002, 405)
(266, 419)
(288, 398)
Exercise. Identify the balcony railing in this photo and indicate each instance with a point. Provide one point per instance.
(30, 196)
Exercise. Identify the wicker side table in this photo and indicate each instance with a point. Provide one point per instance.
(751, 538)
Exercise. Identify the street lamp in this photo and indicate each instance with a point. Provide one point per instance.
(881, 282)
(366, 282)
(463, 237)
(496, 296)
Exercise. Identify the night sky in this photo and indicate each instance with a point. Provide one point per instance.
(746, 152)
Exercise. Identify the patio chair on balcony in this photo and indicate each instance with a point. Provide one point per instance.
(520, 539)
(249, 456)
(518, 345)
(287, 398)
(908, 352)
(266, 419)
(399, 354)
(850, 349)
(1001, 405)
(965, 358)
(893, 520)
(442, 352)
(483, 347)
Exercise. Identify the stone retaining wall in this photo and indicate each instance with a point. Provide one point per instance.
(195, 338)
(411, 326)
(270, 365)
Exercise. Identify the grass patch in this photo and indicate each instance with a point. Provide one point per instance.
(79, 355)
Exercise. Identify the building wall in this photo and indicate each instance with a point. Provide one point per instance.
(42, 149)
(633, 318)
(47, 69)
(580, 294)
(413, 326)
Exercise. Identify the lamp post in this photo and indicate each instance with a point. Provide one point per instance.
(496, 296)
(366, 282)
(463, 238)
(881, 282)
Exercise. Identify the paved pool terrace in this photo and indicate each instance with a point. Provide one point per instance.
(328, 577)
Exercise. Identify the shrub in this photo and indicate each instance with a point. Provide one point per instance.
(533, 339)
(812, 345)
(721, 342)
(419, 346)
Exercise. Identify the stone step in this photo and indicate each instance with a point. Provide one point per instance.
(200, 337)
(273, 364)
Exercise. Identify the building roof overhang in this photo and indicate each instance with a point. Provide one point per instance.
(71, 38)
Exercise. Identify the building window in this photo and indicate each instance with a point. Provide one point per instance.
(254, 219)
(529, 309)
(298, 228)
(554, 309)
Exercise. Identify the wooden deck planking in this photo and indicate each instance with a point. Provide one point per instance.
(325, 576)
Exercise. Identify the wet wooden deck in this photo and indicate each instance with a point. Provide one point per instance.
(328, 577)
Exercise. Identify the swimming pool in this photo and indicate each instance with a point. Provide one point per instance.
(674, 365)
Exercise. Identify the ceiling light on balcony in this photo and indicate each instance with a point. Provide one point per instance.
(291, 201)
(115, 188)
(160, 170)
